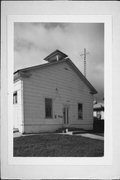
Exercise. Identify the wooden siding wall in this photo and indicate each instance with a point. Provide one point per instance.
(63, 85)
(18, 114)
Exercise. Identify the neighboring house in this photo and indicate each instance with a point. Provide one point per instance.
(98, 111)
(52, 95)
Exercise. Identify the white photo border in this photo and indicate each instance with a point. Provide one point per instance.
(107, 20)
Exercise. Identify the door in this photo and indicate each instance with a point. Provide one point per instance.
(66, 115)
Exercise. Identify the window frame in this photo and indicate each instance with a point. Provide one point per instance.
(49, 117)
(15, 97)
(78, 111)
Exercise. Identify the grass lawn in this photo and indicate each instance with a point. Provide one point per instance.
(57, 145)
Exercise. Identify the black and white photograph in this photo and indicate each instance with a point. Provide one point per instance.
(58, 97)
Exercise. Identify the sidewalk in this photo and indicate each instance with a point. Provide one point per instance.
(17, 134)
(92, 136)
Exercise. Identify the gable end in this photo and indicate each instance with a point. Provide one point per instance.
(82, 77)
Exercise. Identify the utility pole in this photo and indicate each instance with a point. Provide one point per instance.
(84, 55)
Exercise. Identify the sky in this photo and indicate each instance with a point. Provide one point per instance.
(34, 41)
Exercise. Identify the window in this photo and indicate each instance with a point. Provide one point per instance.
(99, 115)
(15, 100)
(80, 111)
(48, 108)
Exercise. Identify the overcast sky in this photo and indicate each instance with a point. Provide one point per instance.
(34, 41)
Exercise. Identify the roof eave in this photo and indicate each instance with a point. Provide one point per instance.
(93, 92)
(39, 66)
(21, 74)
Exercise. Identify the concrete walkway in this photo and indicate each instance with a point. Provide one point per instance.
(88, 135)
(17, 134)
(92, 136)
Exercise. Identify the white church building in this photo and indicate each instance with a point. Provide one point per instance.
(51, 96)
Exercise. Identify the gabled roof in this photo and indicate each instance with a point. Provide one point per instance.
(98, 106)
(23, 72)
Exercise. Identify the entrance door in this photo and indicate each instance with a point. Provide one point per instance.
(66, 115)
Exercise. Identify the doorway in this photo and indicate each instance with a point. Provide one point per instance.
(66, 115)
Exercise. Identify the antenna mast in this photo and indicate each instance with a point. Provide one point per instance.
(84, 54)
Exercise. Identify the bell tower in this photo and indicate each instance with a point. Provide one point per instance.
(55, 56)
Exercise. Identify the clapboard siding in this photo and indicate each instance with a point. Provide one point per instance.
(70, 89)
(18, 108)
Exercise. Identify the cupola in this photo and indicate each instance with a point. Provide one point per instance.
(55, 56)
